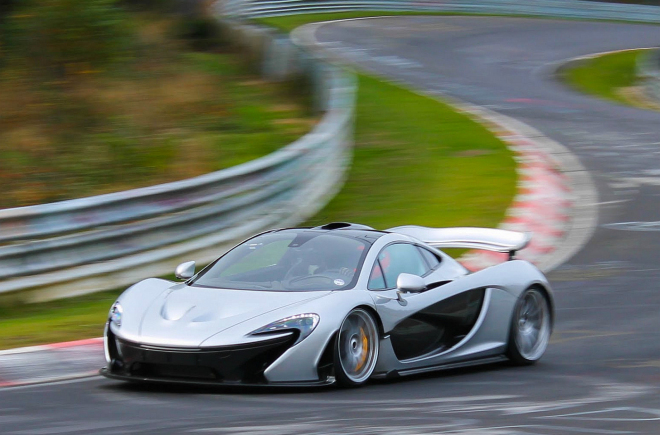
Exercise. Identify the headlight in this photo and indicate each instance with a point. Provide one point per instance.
(116, 313)
(305, 323)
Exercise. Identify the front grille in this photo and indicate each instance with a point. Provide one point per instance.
(177, 371)
(240, 363)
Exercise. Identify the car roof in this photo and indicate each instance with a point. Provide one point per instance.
(355, 231)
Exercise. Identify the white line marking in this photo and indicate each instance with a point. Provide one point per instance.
(654, 412)
(611, 202)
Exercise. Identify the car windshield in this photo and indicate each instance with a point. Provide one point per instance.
(288, 260)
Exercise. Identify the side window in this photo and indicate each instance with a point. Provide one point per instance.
(376, 279)
(401, 258)
(432, 260)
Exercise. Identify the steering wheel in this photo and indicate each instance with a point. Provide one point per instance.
(291, 282)
(342, 271)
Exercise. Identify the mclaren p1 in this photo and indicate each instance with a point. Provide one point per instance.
(341, 303)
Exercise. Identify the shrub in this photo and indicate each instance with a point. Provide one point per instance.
(202, 32)
(164, 6)
(64, 37)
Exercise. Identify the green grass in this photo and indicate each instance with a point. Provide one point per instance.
(51, 322)
(607, 76)
(416, 161)
(288, 23)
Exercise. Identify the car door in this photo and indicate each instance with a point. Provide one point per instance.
(426, 322)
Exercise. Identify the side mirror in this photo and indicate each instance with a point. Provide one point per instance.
(185, 270)
(410, 283)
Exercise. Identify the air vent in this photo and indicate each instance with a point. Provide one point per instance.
(343, 225)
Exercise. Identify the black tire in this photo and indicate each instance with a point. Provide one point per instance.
(356, 349)
(531, 326)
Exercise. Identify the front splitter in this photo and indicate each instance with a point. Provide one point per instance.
(191, 382)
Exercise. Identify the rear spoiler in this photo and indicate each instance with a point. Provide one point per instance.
(467, 237)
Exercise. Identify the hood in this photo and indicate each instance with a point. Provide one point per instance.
(186, 316)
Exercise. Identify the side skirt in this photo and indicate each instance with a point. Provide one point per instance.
(408, 372)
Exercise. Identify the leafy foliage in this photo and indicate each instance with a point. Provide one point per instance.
(65, 37)
(118, 100)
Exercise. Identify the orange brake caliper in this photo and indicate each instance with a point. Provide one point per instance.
(365, 350)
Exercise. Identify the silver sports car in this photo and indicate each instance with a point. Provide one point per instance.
(338, 303)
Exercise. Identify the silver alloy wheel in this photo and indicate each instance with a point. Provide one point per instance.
(358, 346)
(532, 325)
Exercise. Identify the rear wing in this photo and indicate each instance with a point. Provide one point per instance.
(467, 237)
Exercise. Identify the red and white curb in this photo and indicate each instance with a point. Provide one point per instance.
(542, 205)
(556, 199)
(51, 362)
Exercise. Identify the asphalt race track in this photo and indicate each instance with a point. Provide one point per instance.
(601, 374)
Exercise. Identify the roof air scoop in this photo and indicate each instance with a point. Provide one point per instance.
(343, 226)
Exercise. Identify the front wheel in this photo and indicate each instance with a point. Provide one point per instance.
(530, 327)
(356, 349)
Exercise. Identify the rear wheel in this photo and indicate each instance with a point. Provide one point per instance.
(530, 327)
(356, 349)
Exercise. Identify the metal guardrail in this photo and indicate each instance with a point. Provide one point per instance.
(90, 244)
(555, 8)
(648, 68)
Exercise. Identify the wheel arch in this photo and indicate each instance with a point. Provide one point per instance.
(512, 352)
(327, 353)
(547, 292)
(371, 310)
(333, 336)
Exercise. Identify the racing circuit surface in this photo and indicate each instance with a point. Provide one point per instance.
(601, 373)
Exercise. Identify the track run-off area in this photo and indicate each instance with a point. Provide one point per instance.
(601, 373)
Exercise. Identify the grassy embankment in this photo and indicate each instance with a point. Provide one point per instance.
(148, 108)
(416, 161)
(611, 76)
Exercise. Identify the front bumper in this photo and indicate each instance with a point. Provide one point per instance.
(242, 364)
